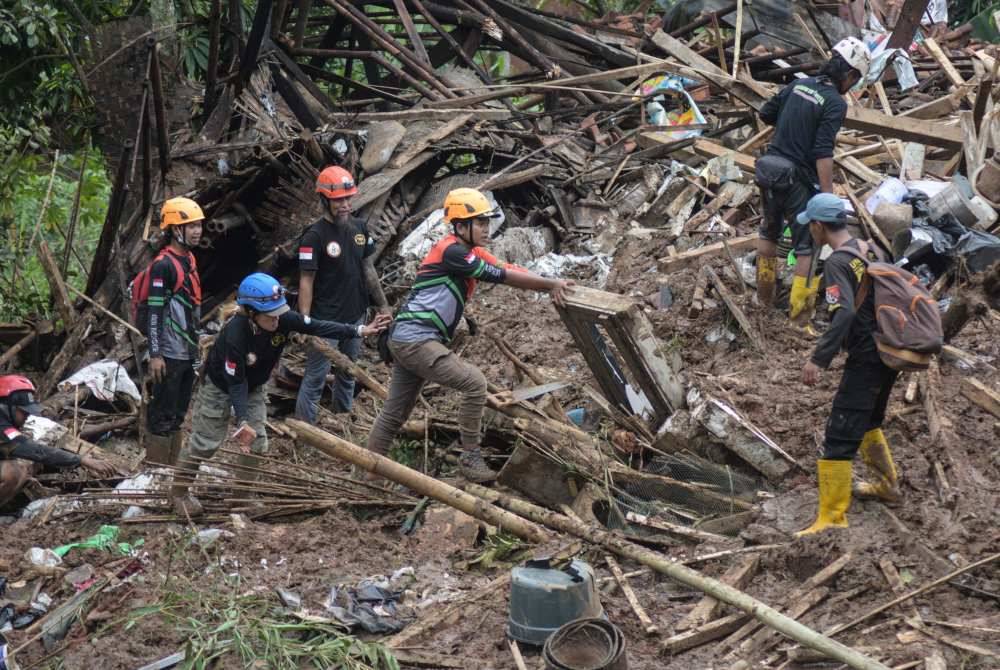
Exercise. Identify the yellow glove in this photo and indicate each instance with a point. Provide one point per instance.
(803, 296)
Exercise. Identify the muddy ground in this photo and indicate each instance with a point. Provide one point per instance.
(183, 593)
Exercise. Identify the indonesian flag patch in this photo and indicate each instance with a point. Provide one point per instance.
(230, 368)
(471, 258)
(158, 282)
(11, 433)
(833, 294)
(305, 253)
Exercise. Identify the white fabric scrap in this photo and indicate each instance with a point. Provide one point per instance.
(104, 378)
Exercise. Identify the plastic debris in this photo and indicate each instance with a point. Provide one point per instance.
(104, 378)
(209, 536)
(43, 558)
(105, 539)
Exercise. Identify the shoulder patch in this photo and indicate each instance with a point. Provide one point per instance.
(11, 433)
(359, 239)
(470, 257)
(833, 294)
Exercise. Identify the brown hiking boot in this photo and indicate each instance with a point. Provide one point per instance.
(473, 467)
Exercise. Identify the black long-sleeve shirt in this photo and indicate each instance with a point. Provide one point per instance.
(852, 326)
(15, 444)
(807, 115)
(244, 355)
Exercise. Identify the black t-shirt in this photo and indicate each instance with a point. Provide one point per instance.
(807, 115)
(15, 444)
(243, 356)
(852, 326)
(335, 253)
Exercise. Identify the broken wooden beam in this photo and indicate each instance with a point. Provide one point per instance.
(692, 257)
(982, 395)
(703, 634)
(57, 287)
(633, 601)
(744, 439)
(685, 532)
(903, 128)
(708, 608)
(730, 302)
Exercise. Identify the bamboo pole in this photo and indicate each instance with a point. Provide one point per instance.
(162, 133)
(342, 362)
(662, 564)
(334, 446)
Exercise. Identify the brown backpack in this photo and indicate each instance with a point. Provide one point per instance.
(906, 315)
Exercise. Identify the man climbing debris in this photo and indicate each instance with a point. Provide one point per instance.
(807, 115)
(20, 456)
(174, 307)
(239, 364)
(426, 323)
(860, 402)
(336, 277)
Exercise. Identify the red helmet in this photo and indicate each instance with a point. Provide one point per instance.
(18, 391)
(335, 182)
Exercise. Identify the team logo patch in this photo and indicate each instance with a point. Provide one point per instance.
(333, 250)
(470, 258)
(359, 239)
(305, 253)
(230, 368)
(158, 283)
(11, 433)
(278, 340)
(251, 358)
(833, 294)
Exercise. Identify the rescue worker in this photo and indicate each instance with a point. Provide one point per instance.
(174, 304)
(20, 456)
(806, 114)
(860, 402)
(336, 277)
(238, 365)
(427, 320)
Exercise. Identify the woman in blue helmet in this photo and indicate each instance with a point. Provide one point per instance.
(239, 364)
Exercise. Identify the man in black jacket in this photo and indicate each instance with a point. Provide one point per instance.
(20, 456)
(807, 115)
(239, 364)
(859, 406)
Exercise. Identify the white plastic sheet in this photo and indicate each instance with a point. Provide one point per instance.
(104, 378)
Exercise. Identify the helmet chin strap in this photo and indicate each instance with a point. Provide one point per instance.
(180, 236)
(467, 222)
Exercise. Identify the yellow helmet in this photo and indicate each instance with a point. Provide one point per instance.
(180, 212)
(467, 203)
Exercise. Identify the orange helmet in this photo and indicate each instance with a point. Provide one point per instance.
(335, 182)
(180, 212)
(467, 203)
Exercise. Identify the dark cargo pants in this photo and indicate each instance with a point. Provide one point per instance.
(858, 406)
(414, 364)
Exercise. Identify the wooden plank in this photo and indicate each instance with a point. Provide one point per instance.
(633, 601)
(910, 16)
(730, 301)
(867, 221)
(766, 638)
(981, 395)
(903, 128)
(970, 147)
(708, 608)
(425, 114)
(426, 141)
(744, 439)
(685, 532)
(699, 636)
(710, 149)
(938, 54)
(692, 257)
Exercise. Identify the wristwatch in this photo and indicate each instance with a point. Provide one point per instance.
(307, 319)
(360, 326)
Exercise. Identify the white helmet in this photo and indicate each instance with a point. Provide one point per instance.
(854, 51)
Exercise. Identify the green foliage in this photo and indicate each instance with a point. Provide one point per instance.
(407, 452)
(24, 179)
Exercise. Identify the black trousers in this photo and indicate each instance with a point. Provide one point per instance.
(781, 208)
(858, 406)
(170, 398)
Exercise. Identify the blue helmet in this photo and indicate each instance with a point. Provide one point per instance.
(262, 293)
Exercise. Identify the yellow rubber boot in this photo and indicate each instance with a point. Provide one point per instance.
(876, 455)
(767, 273)
(834, 496)
(802, 304)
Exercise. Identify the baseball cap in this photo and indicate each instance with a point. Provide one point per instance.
(279, 310)
(823, 207)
